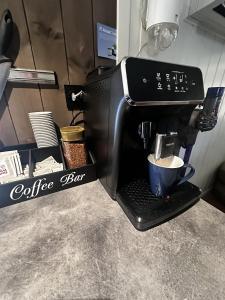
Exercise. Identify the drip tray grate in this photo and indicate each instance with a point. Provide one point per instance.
(146, 210)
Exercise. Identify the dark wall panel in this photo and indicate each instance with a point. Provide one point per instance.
(48, 45)
(21, 101)
(58, 35)
(78, 29)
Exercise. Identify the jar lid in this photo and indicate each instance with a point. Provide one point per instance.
(72, 133)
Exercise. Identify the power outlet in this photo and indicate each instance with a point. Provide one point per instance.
(74, 97)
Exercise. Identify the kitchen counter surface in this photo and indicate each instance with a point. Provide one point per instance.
(78, 244)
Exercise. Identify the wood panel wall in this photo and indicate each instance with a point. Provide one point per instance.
(58, 35)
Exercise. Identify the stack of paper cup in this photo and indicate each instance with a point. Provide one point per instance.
(44, 129)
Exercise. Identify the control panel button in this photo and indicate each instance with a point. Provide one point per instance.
(144, 80)
(159, 87)
(175, 78)
(158, 76)
(181, 78)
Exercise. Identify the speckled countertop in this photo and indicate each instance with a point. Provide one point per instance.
(78, 244)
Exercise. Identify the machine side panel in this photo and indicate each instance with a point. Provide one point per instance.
(96, 116)
(118, 106)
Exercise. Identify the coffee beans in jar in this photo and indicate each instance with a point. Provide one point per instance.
(74, 146)
(75, 154)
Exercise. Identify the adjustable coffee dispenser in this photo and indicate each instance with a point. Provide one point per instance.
(127, 109)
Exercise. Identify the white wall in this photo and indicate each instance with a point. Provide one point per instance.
(194, 46)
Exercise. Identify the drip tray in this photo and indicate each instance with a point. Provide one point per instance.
(146, 210)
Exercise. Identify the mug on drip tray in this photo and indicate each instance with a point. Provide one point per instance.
(166, 173)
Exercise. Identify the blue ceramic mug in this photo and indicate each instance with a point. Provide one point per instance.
(166, 173)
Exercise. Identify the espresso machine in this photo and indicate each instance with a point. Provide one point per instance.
(128, 110)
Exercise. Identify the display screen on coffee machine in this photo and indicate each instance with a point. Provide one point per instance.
(155, 81)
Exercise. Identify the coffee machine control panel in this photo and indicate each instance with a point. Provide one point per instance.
(175, 81)
(148, 80)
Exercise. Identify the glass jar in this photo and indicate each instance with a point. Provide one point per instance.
(74, 148)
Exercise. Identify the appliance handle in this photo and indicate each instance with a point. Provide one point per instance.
(6, 28)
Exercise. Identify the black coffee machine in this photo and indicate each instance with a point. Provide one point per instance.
(125, 109)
